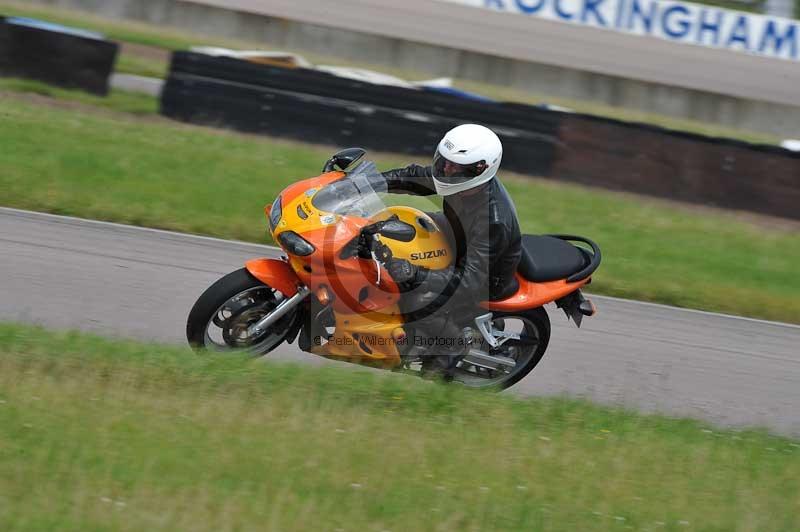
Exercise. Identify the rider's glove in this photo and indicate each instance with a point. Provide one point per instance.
(403, 272)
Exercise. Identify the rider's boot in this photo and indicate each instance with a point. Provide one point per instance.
(452, 343)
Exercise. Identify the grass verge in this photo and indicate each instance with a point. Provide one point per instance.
(173, 39)
(161, 174)
(107, 435)
(117, 100)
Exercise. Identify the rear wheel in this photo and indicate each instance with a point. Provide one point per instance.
(220, 318)
(519, 357)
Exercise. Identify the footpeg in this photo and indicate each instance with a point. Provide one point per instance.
(493, 337)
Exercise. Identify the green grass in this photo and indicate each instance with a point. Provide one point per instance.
(141, 66)
(117, 100)
(173, 39)
(113, 29)
(166, 175)
(751, 6)
(106, 435)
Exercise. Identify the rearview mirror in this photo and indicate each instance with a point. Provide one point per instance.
(343, 159)
(397, 230)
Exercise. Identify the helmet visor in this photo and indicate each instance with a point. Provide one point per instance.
(451, 173)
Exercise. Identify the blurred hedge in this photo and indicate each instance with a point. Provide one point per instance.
(751, 6)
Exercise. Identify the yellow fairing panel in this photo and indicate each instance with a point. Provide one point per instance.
(365, 338)
(291, 218)
(429, 247)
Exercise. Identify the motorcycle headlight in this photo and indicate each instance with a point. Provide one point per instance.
(275, 214)
(296, 244)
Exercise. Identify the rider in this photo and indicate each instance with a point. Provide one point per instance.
(483, 226)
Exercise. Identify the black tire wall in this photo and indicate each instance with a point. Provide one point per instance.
(319, 107)
(62, 59)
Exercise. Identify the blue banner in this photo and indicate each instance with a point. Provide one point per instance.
(663, 19)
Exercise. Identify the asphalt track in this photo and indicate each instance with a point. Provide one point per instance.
(140, 283)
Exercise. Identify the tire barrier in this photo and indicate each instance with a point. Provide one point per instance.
(680, 166)
(60, 56)
(322, 108)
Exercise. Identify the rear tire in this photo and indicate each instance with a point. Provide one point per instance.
(229, 305)
(536, 322)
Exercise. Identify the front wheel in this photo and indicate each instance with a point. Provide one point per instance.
(518, 358)
(220, 318)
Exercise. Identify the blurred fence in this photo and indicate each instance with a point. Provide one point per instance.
(55, 54)
(322, 108)
(545, 57)
(686, 167)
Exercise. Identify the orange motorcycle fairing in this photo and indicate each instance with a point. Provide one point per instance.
(532, 295)
(296, 190)
(275, 273)
(369, 338)
(352, 281)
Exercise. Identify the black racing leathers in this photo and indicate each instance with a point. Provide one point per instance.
(485, 232)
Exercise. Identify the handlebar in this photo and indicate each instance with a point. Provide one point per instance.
(366, 243)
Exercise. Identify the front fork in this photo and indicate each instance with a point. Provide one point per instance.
(279, 275)
(283, 308)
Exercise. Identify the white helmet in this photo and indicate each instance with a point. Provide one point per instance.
(468, 156)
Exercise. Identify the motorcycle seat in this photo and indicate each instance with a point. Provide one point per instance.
(547, 258)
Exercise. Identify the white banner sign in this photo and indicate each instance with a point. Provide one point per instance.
(673, 21)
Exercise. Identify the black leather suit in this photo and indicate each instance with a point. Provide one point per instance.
(486, 237)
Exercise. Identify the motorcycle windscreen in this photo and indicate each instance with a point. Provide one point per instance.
(356, 194)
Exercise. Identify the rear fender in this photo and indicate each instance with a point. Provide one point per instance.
(531, 295)
(275, 273)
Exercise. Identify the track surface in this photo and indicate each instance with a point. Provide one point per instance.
(140, 283)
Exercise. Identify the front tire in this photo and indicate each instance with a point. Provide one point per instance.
(219, 319)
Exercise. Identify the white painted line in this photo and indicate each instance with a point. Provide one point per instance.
(132, 228)
(694, 311)
(273, 249)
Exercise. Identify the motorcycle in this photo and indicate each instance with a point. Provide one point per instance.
(332, 292)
